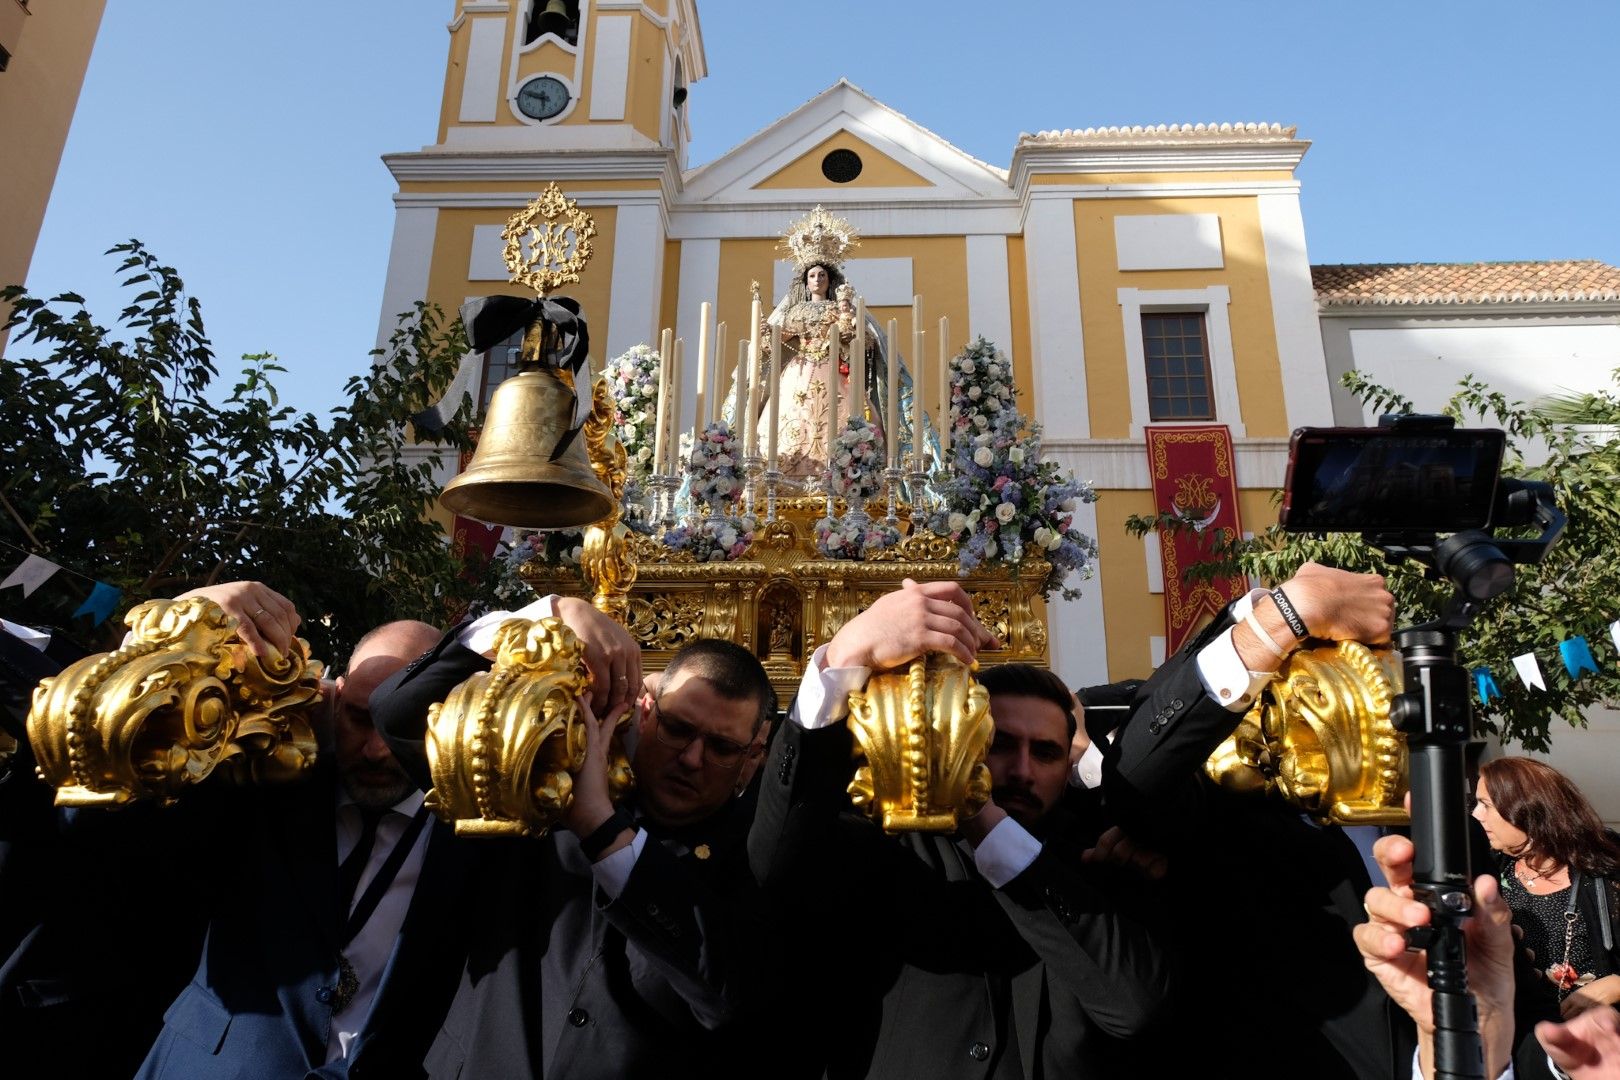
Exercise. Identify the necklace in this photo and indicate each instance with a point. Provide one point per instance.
(1529, 875)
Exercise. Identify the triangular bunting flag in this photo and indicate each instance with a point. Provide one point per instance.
(1529, 671)
(1485, 683)
(33, 573)
(1577, 656)
(100, 604)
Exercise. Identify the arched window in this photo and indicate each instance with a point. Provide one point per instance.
(560, 17)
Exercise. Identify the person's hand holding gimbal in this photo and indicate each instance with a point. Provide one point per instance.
(1391, 911)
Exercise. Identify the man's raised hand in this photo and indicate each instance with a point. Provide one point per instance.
(931, 616)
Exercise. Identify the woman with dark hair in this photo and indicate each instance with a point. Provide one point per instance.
(1558, 868)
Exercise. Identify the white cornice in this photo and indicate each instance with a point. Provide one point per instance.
(1437, 311)
(1122, 464)
(651, 163)
(1031, 159)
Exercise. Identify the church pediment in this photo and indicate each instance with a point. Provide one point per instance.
(844, 146)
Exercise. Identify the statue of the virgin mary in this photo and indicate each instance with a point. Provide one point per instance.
(818, 308)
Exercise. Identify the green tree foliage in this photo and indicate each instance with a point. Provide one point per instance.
(128, 459)
(1575, 590)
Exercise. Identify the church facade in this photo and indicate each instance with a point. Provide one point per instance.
(1137, 277)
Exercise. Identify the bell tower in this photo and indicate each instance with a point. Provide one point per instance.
(571, 75)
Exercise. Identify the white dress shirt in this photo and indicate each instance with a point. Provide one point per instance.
(373, 947)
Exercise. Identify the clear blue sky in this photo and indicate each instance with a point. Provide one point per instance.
(242, 142)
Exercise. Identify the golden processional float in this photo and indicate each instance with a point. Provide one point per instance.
(715, 534)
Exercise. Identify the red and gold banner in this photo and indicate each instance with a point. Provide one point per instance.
(1194, 479)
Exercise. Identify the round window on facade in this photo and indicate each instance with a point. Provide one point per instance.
(841, 166)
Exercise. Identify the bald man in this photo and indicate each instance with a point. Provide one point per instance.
(328, 900)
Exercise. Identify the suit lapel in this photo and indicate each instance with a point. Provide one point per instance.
(302, 828)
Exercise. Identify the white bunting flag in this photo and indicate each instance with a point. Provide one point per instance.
(1614, 632)
(33, 573)
(1529, 671)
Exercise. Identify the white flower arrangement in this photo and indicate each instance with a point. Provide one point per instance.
(857, 461)
(716, 477)
(632, 379)
(714, 539)
(981, 388)
(853, 537)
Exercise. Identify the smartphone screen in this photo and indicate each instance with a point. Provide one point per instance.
(1390, 480)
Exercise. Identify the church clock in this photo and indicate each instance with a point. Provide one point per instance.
(542, 98)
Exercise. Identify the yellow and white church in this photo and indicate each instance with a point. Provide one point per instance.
(1137, 277)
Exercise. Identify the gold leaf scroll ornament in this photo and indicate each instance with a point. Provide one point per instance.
(503, 747)
(1320, 737)
(922, 733)
(548, 242)
(185, 696)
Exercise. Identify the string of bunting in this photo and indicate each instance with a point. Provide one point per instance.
(36, 570)
(1575, 654)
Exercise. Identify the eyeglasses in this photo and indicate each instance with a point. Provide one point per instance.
(676, 734)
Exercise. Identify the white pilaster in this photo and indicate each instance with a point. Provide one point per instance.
(409, 258)
(1079, 647)
(638, 278)
(610, 67)
(1059, 360)
(700, 281)
(989, 295)
(1307, 393)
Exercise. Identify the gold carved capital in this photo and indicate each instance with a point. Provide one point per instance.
(922, 734)
(1320, 736)
(183, 697)
(503, 747)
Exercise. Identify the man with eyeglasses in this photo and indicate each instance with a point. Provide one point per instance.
(619, 943)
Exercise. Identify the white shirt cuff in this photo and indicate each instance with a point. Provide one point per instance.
(1005, 852)
(479, 635)
(612, 872)
(824, 692)
(1087, 772)
(1224, 676)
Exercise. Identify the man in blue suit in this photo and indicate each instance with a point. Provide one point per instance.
(329, 901)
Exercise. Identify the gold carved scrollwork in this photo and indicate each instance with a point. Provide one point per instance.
(608, 559)
(503, 746)
(184, 697)
(921, 736)
(667, 620)
(1321, 737)
(993, 610)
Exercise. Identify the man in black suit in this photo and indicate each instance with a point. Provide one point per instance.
(1264, 898)
(615, 945)
(995, 953)
(328, 900)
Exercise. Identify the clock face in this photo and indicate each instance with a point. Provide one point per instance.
(542, 98)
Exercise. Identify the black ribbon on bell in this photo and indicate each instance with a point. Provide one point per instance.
(563, 343)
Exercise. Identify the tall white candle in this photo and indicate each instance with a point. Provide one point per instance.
(751, 421)
(717, 400)
(776, 394)
(702, 415)
(661, 428)
(857, 362)
(891, 419)
(832, 392)
(918, 411)
(944, 389)
(739, 400)
(676, 378)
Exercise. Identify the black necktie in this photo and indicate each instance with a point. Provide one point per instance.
(351, 868)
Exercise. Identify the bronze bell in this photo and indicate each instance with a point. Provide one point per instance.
(512, 479)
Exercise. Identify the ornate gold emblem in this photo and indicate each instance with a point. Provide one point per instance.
(1320, 736)
(184, 697)
(922, 735)
(503, 746)
(548, 242)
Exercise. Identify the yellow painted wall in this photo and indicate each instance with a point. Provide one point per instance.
(452, 251)
(1018, 298)
(644, 104)
(1254, 334)
(877, 169)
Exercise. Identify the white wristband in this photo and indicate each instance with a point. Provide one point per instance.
(1247, 606)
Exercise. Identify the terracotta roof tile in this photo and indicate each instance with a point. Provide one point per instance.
(1359, 284)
